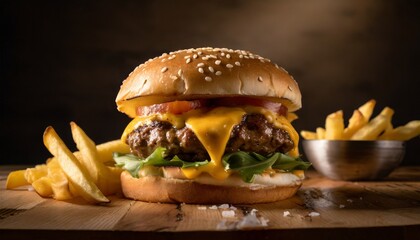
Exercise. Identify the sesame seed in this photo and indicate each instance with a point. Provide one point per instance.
(173, 77)
(217, 62)
(164, 69)
(237, 63)
(246, 57)
(171, 57)
(205, 58)
(241, 56)
(252, 56)
(218, 73)
(180, 72)
(283, 69)
(213, 56)
(208, 79)
(188, 56)
(201, 70)
(163, 60)
(223, 54)
(290, 88)
(195, 56)
(277, 66)
(259, 79)
(211, 69)
(164, 54)
(229, 65)
(188, 60)
(228, 55)
(199, 53)
(200, 64)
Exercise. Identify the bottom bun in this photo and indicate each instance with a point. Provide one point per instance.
(172, 190)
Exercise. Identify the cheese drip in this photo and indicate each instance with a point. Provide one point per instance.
(213, 130)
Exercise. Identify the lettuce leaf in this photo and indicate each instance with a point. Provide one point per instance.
(249, 164)
(128, 162)
(133, 164)
(244, 163)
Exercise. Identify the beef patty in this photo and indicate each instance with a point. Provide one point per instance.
(253, 134)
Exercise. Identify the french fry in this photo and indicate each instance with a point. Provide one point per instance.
(113, 180)
(73, 190)
(68, 175)
(367, 109)
(356, 122)
(308, 135)
(16, 179)
(320, 133)
(360, 128)
(105, 150)
(43, 186)
(88, 155)
(375, 127)
(389, 128)
(334, 126)
(106, 181)
(59, 181)
(33, 174)
(403, 133)
(76, 173)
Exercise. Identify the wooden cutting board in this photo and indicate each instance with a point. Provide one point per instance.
(322, 207)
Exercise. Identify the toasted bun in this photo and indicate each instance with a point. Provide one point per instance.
(208, 191)
(203, 73)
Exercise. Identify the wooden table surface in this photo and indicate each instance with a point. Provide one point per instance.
(322, 209)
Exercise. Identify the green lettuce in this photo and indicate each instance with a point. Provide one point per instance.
(133, 164)
(250, 164)
(247, 165)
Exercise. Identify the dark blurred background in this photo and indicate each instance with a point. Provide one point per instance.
(64, 61)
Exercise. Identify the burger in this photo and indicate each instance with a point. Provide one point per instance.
(210, 125)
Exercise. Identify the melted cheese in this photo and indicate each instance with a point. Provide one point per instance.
(213, 129)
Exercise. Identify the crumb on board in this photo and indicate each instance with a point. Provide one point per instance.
(228, 213)
(314, 214)
(224, 206)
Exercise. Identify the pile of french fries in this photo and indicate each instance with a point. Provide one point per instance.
(69, 174)
(361, 127)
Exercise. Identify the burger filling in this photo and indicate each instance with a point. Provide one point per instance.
(241, 136)
(253, 134)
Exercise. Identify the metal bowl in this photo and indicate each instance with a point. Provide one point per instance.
(354, 160)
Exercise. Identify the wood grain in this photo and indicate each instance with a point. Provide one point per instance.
(392, 204)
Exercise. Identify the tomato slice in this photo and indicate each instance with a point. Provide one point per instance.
(175, 107)
(179, 107)
(243, 101)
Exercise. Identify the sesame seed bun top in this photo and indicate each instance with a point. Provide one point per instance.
(206, 73)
